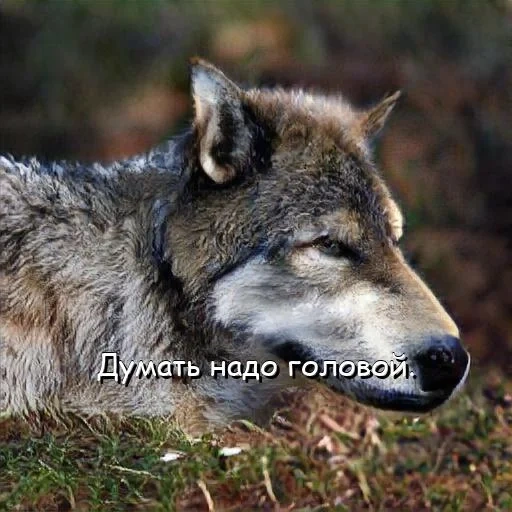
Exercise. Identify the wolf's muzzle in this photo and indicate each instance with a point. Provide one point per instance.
(442, 365)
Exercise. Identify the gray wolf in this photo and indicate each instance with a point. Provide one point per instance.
(265, 232)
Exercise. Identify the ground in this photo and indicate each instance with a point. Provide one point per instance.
(321, 453)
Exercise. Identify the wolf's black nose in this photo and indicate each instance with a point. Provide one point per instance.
(442, 364)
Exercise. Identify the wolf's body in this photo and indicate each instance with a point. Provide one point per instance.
(263, 233)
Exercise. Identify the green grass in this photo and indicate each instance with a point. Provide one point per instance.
(323, 453)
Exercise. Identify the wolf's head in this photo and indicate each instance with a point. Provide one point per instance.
(298, 237)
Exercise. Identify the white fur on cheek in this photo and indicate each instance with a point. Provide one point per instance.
(310, 254)
(352, 326)
(240, 297)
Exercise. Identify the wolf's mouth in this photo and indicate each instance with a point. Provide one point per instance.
(394, 400)
(362, 391)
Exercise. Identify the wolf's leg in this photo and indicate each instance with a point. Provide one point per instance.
(30, 376)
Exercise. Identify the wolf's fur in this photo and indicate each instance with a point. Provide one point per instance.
(210, 248)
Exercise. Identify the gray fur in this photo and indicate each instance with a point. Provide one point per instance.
(164, 256)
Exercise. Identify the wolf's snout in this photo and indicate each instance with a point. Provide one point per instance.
(442, 364)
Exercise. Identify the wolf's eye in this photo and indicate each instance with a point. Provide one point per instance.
(336, 249)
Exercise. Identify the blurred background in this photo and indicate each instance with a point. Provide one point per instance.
(103, 79)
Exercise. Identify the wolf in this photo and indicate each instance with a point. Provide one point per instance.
(264, 232)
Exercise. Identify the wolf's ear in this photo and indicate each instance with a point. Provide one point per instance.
(372, 121)
(224, 137)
